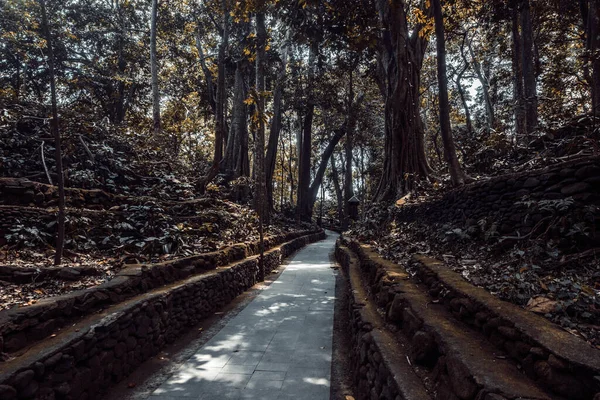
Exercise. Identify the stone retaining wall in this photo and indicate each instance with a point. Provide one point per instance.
(502, 199)
(82, 363)
(556, 371)
(525, 337)
(22, 326)
(375, 372)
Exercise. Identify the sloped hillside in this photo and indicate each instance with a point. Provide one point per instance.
(126, 203)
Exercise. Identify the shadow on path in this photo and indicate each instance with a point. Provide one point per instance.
(278, 347)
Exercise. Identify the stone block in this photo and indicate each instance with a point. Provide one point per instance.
(575, 188)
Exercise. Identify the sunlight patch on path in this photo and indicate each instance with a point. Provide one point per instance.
(279, 347)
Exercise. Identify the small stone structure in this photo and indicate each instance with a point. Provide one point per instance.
(353, 204)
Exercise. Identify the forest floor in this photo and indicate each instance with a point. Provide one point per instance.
(128, 202)
(563, 286)
(86, 269)
(567, 295)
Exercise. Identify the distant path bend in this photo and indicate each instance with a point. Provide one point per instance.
(279, 347)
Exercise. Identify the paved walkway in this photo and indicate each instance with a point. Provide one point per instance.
(277, 348)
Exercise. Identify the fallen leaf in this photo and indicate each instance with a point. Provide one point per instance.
(402, 201)
(588, 290)
(541, 305)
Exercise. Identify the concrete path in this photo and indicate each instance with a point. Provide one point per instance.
(278, 347)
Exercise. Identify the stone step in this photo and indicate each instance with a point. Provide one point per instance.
(559, 360)
(474, 367)
(381, 354)
(20, 327)
(84, 359)
(463, 363)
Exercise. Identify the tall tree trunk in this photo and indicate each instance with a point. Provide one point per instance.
(221, 89)
(594, 33)
(531, 113)
(485, 88)
(298, 132)
(463, 101)
(220, 102)
(210, 87)
(460, 88)
(235, 161)
(348, 126)
(259, 150)
(590, 10)
(338, 188)
(60, 239)
(363, 186)
(517, 69)
(275, 125)
(402, 58)
(348, 181)
(282, 175)
(119, 108)
(456, 174)
(154, 69)
(313, 190)
(304, 203)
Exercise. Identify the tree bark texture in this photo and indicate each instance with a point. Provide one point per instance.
(402, 58)
(517, 69)
(259, 150)
(313, 190)
(118, 106)
(210, 86)
(221, 90)
(485, 88)
(154, 69)
(456, 174)
(338, 188)
(60, 238)
(236, 163)
(459, 86)
(463, 101)
(350, 125)
(529, 81)
(220, 103)
(304, 196)
(590, 10)
(271, 158)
